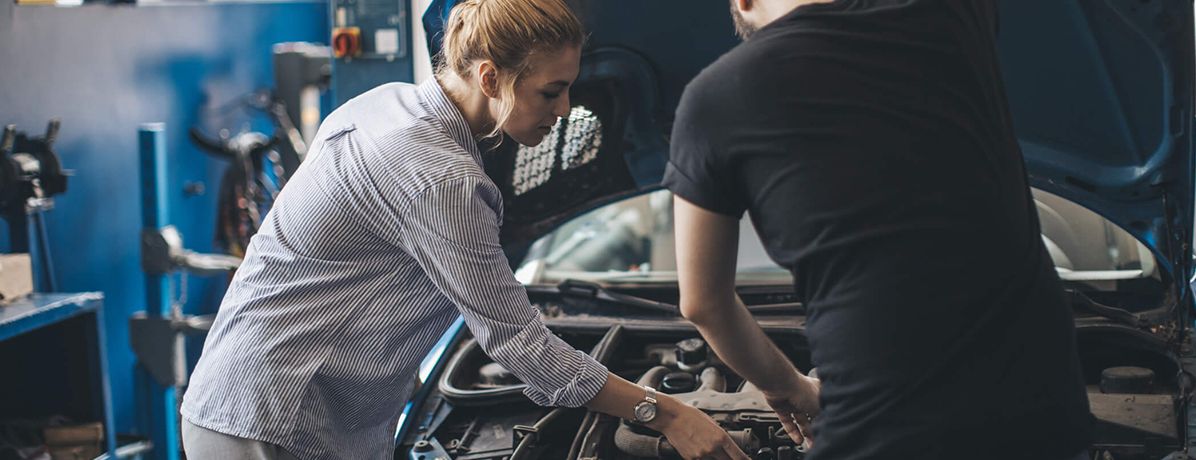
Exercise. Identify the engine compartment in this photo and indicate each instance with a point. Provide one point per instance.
(1134, 390)
(477, 410)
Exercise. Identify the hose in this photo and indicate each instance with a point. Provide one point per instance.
(527, 444)
(642, 445)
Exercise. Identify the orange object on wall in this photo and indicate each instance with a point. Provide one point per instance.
(346, 42)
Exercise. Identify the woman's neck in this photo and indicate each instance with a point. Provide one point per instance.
(472, 104)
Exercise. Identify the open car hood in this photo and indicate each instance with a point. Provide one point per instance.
(1101, 95)
(1100, 90)
(637, 60)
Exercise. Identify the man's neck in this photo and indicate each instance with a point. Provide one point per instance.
(775, 9)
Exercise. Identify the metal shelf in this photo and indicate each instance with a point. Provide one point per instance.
(40, 310)
(43, 385)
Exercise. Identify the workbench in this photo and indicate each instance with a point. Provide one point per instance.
(53, 359)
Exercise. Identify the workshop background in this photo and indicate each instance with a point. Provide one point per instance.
(127, 81)
(104, 70)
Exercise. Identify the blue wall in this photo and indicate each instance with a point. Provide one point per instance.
(106, 69)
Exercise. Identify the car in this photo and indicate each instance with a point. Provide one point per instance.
(1101, 94)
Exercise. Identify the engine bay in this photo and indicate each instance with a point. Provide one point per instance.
(476, 409)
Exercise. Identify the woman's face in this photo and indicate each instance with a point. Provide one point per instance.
(543, 95)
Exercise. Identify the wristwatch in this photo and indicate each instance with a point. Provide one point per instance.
(645, 411)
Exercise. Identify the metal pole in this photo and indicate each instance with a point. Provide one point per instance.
(160, 416)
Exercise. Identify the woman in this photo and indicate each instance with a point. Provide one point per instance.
(388, 230)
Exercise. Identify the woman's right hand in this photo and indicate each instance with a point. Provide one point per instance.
(694, 434)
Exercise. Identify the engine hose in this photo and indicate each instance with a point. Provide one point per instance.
(527, 445)
(712, 380)
(653, 377)
(642, 445)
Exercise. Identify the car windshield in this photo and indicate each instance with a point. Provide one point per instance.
(632, 241)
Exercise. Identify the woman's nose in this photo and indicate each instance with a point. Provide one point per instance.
(562, 106)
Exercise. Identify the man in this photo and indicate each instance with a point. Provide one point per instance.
(870, 142)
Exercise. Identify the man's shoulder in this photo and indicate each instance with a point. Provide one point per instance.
(727, 69)
(762, 63)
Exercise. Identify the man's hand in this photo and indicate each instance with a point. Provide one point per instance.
(694, 434)
(706, 250)
(797, 406)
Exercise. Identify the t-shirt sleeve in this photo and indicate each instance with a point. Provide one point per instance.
(696, 170)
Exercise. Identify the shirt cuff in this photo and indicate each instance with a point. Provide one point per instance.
(685, 187)
(588, 380)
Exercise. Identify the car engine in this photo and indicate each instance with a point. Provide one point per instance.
(475, 409)
(481, 413)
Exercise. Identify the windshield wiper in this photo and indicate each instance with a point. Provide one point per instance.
(591, 290)
(1120, 315)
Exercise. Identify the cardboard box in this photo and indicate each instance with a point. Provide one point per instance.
(72, 435)
(16, 277)
(75, 442)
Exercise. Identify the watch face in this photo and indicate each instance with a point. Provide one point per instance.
(645, 412)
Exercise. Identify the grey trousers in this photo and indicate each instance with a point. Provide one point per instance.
(203, 444)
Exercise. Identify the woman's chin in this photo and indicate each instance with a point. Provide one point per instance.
(530, 139)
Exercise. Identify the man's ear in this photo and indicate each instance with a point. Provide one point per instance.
(488, 79)
(744, 5)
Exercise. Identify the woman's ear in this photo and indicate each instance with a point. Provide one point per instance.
(488, 79)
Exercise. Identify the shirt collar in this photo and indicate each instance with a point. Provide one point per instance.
(449, 117)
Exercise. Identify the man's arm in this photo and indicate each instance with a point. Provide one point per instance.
(707, 245)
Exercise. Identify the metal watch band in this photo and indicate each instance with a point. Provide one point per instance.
(649, 394)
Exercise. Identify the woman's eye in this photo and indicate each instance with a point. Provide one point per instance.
(551, 95)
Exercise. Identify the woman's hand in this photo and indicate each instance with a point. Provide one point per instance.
(694, 434)
(691, 432)
(797, 405)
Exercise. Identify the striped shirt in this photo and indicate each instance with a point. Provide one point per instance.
(388, 230)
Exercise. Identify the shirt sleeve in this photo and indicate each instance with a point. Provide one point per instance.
(452, 232)
(695, 170)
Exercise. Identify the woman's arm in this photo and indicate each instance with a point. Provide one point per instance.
(452, 232)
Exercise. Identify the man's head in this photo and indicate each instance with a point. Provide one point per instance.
(743, 28)
(751, 15)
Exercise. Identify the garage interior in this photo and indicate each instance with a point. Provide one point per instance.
(145, 140)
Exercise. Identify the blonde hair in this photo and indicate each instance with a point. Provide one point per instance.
(507, 33)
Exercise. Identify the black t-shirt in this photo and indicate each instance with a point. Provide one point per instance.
(871, 144)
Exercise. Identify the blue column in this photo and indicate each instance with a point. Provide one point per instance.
(159, 404)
